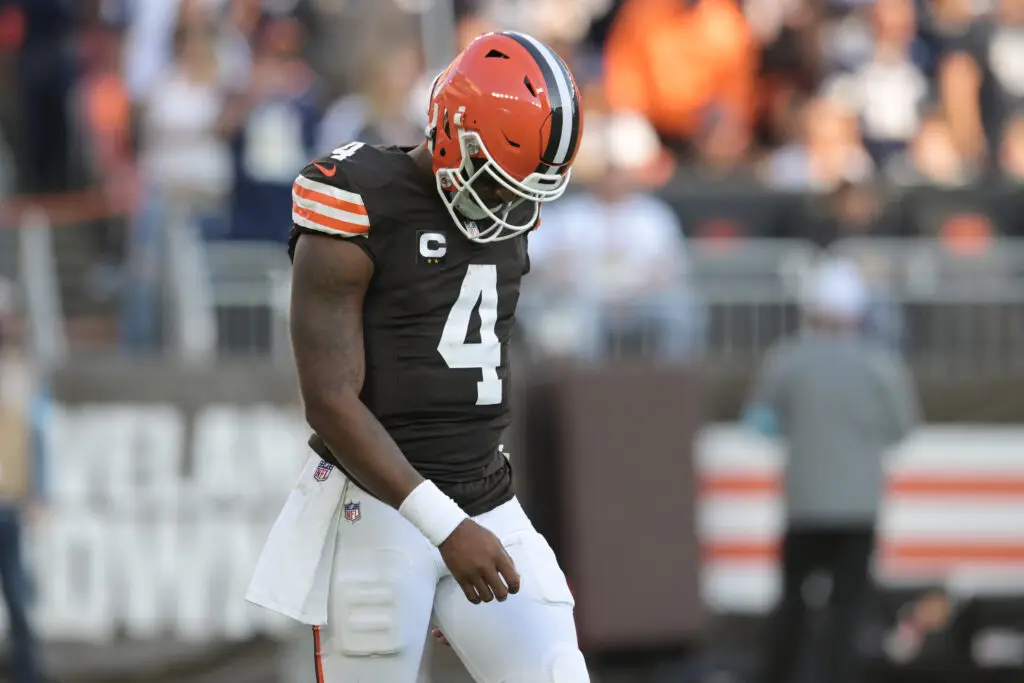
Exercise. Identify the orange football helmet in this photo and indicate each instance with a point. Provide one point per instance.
(505, 125)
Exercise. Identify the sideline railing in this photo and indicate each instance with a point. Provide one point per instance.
(37, 274)
(948, 310)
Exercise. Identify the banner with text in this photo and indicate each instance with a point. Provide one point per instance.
(163, 483)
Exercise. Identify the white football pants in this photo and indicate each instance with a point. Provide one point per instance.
(388, 581)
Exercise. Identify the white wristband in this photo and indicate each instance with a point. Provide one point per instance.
(432, 512)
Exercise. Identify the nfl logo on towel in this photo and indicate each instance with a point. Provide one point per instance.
(352, 512)
(323, 470)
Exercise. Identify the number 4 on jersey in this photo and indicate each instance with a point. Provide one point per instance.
(345, 151)
(480, 284)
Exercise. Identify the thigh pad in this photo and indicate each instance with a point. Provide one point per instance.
(367, 611)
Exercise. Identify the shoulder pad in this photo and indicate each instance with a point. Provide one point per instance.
(328, 195)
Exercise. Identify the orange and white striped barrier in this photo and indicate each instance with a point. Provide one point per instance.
(953, 510)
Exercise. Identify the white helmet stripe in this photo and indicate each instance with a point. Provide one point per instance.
(560, 92)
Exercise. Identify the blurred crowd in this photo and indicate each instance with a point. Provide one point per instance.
(204, 110)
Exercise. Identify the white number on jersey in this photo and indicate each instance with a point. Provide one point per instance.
(480, 284)
(345, 151)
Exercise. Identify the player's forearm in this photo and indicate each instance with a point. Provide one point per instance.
(329, 281)
(371, 456)
(363, 446)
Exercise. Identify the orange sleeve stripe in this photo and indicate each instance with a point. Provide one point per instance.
(327, 200)
(328, 222)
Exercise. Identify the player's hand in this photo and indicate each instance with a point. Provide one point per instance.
(439, 637)
(479, 563)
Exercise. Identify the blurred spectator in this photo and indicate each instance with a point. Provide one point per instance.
(12, 27)
(389, 108)
(12, 33)
(888, 89)
(105, 134)
(272, 128)
(945, 20)
(7, 179)
(932, 158)
(769, 19)
(344, 31)
(847, 39)
(563, 27)
(943, 23)
(236, 37)
(854, 210)
(609, 262)
(850, 209)
(22, 414)
(1011, 152)
(884, 319)
(555, 20)
(791, 33)
(186, 167)
(723, 150)
(104, 106)
(45, 71)
(828, 152)
(559, 24)
(841, 403)
(183, 156)
(470, 23)
(672, 60)
(150, 41)
(981, 81)
(149, 45)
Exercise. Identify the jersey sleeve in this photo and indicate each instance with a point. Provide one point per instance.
(327, 199)
(324, 201)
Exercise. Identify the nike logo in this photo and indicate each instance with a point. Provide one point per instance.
(329, 172)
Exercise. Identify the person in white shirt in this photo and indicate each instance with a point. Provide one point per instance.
(186, 166)
(610, 261)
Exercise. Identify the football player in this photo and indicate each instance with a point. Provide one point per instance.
(406, 272)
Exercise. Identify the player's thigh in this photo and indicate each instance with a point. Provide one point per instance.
(382, 591)
(529, 638)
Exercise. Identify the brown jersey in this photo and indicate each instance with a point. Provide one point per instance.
(437, 318)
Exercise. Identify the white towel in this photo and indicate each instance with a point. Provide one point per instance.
(292, 576)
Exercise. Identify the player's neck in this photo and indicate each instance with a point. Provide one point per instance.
(421, 155)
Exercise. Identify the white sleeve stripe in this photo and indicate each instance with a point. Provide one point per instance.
(323, 188)
(329, 211)
(313, 225)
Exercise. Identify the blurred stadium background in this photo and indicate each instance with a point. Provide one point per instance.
(147, 149)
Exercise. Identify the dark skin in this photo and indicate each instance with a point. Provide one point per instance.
(330, 278)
